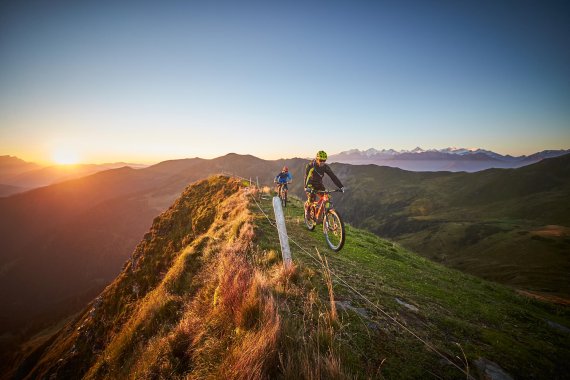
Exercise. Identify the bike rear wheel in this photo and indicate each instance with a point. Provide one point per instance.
(333, 228)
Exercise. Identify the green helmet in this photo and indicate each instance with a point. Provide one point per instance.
(321, 155)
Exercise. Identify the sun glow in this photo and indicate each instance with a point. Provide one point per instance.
(65, 157)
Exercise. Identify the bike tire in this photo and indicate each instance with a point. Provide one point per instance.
(284, 199)
(309, 222)
(333, 228)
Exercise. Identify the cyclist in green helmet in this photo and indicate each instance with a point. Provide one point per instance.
(314, 173)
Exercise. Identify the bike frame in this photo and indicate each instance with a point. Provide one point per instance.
(324, 203)
(318, 212)
(282, 187)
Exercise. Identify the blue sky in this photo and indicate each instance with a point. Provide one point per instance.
(147, 81)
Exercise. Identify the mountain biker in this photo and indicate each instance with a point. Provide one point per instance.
(282, 179)
(314, 173)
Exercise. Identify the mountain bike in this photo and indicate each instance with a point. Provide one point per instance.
(323, 211)
(282, 191)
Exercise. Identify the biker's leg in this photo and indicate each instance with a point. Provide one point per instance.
(317, 197)
(308, 204)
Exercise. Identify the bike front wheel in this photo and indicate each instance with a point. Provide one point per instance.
(283, 198)
(309, 221)
(333, 228)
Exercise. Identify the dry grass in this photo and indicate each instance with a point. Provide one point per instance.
(242, 324)
(309, 343)
(230, 327)
(254, 356)
(328, 279)
(235, 330)
(552, 231)
(230, 305)
(217, 306)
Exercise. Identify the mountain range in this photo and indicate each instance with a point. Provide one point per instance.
(63, 243)
(448, 159)
(17, 175)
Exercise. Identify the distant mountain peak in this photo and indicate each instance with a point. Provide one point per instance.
(446, 159)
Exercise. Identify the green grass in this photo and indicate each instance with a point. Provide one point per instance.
(455, 311)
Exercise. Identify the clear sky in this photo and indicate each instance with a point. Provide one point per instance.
(145, 81)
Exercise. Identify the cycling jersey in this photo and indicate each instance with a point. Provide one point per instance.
(283, 177)
(314, 175)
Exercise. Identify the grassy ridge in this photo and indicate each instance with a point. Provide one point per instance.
(206, 296)
(198, 300)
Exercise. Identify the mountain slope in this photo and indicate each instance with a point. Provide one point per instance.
(7, 190)
(11, 166)
(205, 296)
(508, 225)
(64, 243)
(149, 291)
(92, 225)
(47, 232)
(22, 176)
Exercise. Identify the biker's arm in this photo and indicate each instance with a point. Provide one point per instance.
(306, 177)
(334, 178)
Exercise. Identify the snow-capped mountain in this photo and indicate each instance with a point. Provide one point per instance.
(446, 159)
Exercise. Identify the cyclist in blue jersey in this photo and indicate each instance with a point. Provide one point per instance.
(282, 179)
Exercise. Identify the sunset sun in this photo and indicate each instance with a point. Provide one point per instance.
(65, 157)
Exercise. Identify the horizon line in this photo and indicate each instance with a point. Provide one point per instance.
(48, 163)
